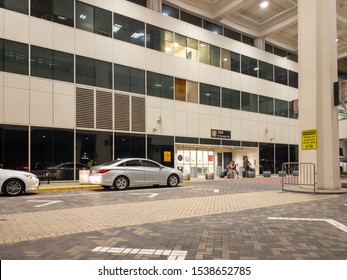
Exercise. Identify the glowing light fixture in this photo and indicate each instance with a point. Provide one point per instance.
(264, 4)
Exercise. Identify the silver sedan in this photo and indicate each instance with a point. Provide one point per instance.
(132, 172)
(14, 182)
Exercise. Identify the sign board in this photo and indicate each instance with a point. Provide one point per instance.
(309, 139)
(224, 134)
(167, 156)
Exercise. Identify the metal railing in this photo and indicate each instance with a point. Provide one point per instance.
(298, 174)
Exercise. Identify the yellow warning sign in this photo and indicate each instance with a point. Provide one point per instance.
(167, 156)
(309, 139)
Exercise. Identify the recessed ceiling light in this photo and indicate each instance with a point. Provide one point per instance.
(264, 4)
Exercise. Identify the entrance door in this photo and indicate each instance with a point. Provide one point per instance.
(195, 162)
(228, 157)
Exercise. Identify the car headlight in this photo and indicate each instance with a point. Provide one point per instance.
(30, 176)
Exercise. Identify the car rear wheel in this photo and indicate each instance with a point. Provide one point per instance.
(121, 183)
(13, 187)
(173, 180)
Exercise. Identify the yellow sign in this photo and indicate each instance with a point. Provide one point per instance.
(167, 156)
(309, 139)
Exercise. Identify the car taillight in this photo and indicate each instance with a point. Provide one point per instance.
(102, 171)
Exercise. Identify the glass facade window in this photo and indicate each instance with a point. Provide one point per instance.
(266, 71)
(19, 6)
(159, 85)
(281, 75)
(280, 52)
(230, 61)
(232, 34)
(191, 19)
(129, 30)
(215, 56)
(180, 46)
(59, 11)
(209, 95)
(142, 3)
(15, 57)
(129, 145)
(158, 145)
(180, 89)
(170, 11)
(293, 79)
(249, 102)
(93, 72)
(50, 147)
(15, 147)
(129, 79)
(247, 40)
(281, 156)
(1, 54)
(159, 39)
(249, 66)
(292, 57)
(192, 49)
(215, 28)
(266, 105)
(266, 157)
(93, 19)
(269, 48)
(231, 98)
(192, 92)
(204, 53)
(281, 108)
(50, 64)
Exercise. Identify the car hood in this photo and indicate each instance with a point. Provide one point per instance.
(16, 172)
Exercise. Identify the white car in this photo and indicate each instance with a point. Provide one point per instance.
(14, 182)
(132, 172)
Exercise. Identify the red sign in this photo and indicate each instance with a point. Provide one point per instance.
(210, 157)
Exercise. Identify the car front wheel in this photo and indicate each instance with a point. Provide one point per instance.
(13, 187)
(173, 180)
(121, 183)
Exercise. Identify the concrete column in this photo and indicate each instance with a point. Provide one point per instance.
(317, 73)
(154, 5)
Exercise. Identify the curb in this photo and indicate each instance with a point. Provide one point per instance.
(69, 187)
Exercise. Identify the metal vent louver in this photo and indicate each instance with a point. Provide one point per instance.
(103, 110)
(84, 107)
(138, 114)
(122, 112)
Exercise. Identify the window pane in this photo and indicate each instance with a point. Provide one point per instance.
(226, 59)
(180, 46)
(249, 66)
(215, 56)
(137, 81)
(1, 56)
(157, 145)
(292, 57)
(235, 62)
(266, 157)
(16, 57)
(170, 11)
(280, 52)
(247, 40)
(153, 84)
(293, 79)
(226, 98)
(249, 102)
(84, 17)
(41, 62)
(235, 99)
(103, 22)
(85, 71)
(209, 95)
(281, 75)
(192, 92)
(204, 53)
(63, 68)
(230, 98)
(129, 145)
(191, 19)
(282, 153)
(103, 74)
(167, 87)
(180, 89)
(192, 49)
(128, 30)
(20, 6)
(142, 3)
(217, 29)
(232, 34)
(265, 71)
(121, 77)
(266, 105)
(159, 39)
(269, 48)
(281, 108)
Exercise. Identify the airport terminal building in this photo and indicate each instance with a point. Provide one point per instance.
(91, 81)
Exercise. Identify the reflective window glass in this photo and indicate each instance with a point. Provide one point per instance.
(293, 79)
(1, 54)
(129, 79)
(215, 28)
(204, 53)
(63, 68)
(232, 34)
(180, 89)
(170, 11)
(159, 39)
(247, 40)
(215, 56)
(281, 108)
(280, 52)
(41, 62)
(266, 157)
(249, 102)
(231, 98)
(129, 30)
(192, 49)
(191, 19)
(192, 92)
(266, 71)
(209, 95)
(19, 6)
(85, 71)
(249, 66)
(142, 3)
(180, 46)
(159, 85)
(16, 57)
(226, 59)
(59, 11)
(235, 62)
(266, 105)
(281, 75)
(129, 145)
(103, 74)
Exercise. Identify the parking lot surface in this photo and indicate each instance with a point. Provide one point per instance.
(249, 218)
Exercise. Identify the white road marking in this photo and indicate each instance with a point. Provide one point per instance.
(48, 202)
(171, 254)
(330, 221)
(150, 194)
